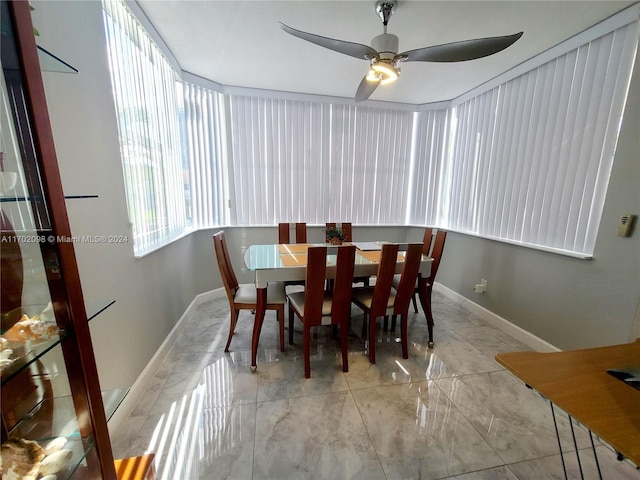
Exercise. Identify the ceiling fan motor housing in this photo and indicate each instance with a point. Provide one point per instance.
(386, 45)
(384, 67)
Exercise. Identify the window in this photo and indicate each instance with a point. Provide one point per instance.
(531, 158)
(154, 174)
(427, 199)
(525, 160)
(313, 162)
(203, 147)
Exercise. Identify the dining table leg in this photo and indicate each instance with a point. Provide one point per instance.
(261, 306)
(425, 300)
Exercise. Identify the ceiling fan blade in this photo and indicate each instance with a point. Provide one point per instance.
(460, 51)
(365, 89)
(348, 48)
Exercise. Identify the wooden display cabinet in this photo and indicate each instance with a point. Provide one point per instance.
(50, 388)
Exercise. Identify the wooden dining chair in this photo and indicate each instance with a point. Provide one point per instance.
(426, 250)
(317, 306)
(244, 296)
(376, 301)
(346, 231)
(436, 254)
(284, 235)
(404, 291)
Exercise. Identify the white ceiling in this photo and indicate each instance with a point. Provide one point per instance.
(240, 43)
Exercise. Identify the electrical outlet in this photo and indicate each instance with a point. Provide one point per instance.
(480, 287)
(624, 227)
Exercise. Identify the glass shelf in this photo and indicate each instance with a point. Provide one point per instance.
(112, 400)
(40, 199)
(56, 417)
(28, 352)
(50, 63)
(37, 423)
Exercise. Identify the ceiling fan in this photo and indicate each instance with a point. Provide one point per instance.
(384, 59)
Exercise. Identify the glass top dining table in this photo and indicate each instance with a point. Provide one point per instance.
(287, 262)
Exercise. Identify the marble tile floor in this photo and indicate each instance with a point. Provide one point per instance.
(445, 413)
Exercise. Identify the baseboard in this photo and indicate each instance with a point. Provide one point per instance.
(143, 380)
(497, 321)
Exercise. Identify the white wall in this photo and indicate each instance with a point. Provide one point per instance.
(567, 302)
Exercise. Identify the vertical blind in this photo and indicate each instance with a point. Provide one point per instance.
(427, 198)
(531, 158)
(205, 153)
(527, 161)
(148, 129)
(316, 162)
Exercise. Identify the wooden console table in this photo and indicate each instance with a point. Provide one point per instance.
(577, 382)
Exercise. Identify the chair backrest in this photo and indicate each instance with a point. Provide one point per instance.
(343, 283)
(301, 233)
(314, 289)
(426, 241)
(314, 285)
(384, 278)
(406, 287)
(224, 264)
(346, 230)
(436, 253)
(284, 234)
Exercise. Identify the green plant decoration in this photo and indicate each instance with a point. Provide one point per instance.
(334, 235)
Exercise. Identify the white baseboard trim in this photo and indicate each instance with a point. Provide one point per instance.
(497, 321)
(142, 382)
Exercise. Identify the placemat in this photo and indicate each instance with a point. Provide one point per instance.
(298, 260)
(374, 256)
(293, 247)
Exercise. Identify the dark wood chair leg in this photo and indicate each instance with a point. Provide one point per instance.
(280, 316)
(290, 324)
(429, 315)
(364, 325)
(306, 349)
(425, 300)
(372, 339)
(403, 334)
(232, 326)
(344, 340)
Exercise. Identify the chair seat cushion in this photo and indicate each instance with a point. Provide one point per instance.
(296, 300)
(364, 297)
(247, 293)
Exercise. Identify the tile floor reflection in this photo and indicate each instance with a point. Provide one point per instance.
(445, 413)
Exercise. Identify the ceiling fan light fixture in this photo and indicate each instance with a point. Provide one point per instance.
(383, 53)
(383, 72)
